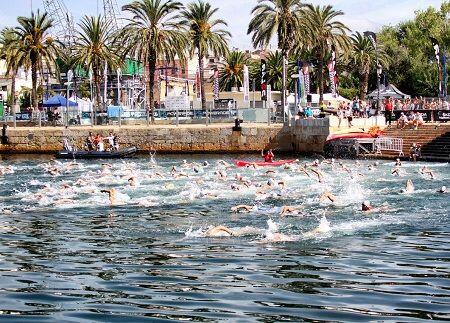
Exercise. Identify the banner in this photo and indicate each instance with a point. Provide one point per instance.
(246, 85)
(216, 84)
(306, 78)
(332, 73)
(263, 80)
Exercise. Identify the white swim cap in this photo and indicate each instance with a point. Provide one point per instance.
(366, 203)
(443, 189)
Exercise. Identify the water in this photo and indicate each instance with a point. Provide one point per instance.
(66, 255)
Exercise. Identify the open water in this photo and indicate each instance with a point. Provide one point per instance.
(66, 255)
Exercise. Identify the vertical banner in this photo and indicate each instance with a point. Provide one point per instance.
(306, 78)
(269, 96)
(438, 56)
(119, 74)
(197, 85)
(105, 94)
(299, 80)
(263, 80)
(332, 73)
(216, 84)
(246, 85)
(444, 72)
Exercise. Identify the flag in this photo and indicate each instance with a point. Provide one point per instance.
(105, 74)
(263, 80)
(306, 78)
(332, 73)
(216, 84)
(246, 85)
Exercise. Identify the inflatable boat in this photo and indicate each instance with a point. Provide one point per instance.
(244, 163)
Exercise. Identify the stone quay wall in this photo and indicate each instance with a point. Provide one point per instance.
(214, 138)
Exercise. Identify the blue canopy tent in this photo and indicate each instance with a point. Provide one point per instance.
(58, 101)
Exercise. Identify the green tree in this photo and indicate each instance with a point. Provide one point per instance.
(231, 72)
(12, 53)
(281, 18)
(40, 49)
(94, 48)
(322, 32)
(154, 32)
(205, 34)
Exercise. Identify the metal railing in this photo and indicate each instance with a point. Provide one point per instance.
(388, 144)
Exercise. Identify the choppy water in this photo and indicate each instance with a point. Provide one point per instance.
(67, 255)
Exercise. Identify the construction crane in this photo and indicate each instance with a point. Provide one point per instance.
(63, 26)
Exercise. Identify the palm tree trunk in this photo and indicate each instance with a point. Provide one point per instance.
(151, 83)
(97, 89)
(202, 79)
(364, 84)
(320, 78)
(34, 99)
(12, 99)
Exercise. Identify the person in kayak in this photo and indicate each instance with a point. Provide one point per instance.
(268, 156)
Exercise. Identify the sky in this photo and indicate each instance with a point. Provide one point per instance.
(360, 15)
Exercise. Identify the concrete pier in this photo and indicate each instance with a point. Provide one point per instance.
(214, 138)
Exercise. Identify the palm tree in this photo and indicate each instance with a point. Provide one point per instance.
(94, 48)
(154, 32)
(231, 72)
(323, 32)
(280, 17)
(206, 36)
(40, 49)
(364, 55)
(12, 53)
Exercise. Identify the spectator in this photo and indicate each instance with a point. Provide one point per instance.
(388, 107)
(402, 121)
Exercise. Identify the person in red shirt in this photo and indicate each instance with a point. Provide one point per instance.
(268, 156)
(388, 107)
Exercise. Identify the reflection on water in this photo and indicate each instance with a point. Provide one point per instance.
(66, 254)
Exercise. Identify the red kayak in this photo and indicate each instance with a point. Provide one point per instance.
(243, 163)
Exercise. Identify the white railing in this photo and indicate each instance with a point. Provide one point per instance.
(388, 144)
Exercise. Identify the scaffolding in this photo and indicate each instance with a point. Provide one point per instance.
(63, 26)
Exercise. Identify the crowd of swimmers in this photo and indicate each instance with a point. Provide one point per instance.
(271, 187)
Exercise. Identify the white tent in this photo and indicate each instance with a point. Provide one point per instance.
(83, 105)
(389, 91)
(328, 97)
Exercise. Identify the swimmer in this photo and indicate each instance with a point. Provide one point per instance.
(367, 207)
(243, 207)
(426, 171)
(289, 210)
(132, 182)
(112, 194)
(318, 173)
(398, 162)
(443, 190)
(327, 196)
(409, 187)
(396, 171)
(219, 231)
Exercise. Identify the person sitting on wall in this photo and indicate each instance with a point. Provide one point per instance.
(308, 112)
(402, 121)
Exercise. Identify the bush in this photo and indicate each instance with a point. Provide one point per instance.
(349, 93)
